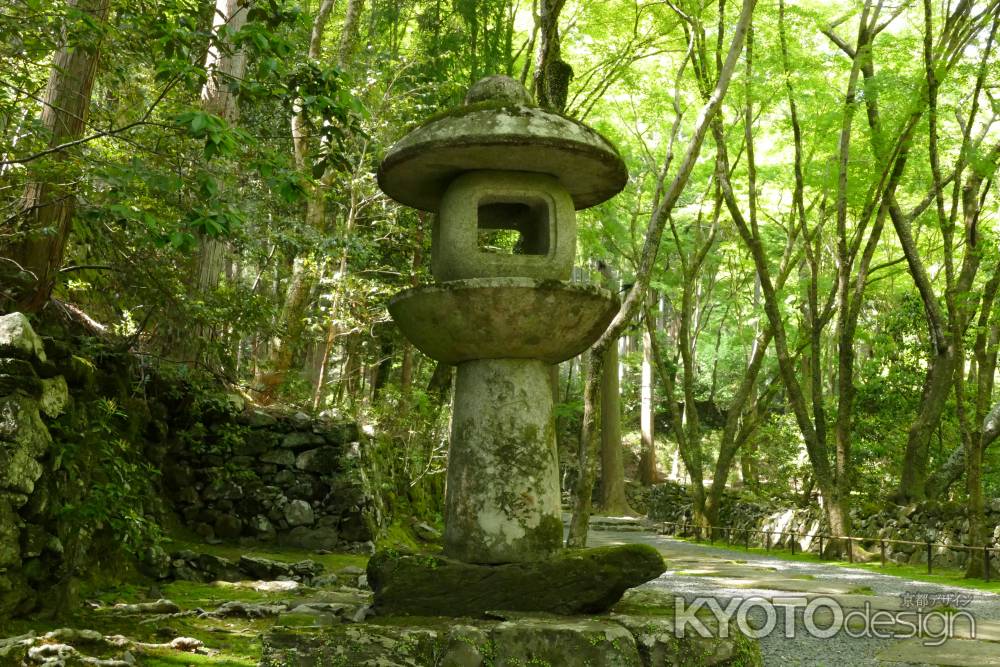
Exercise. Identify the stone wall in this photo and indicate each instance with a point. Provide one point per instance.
(32, 393)
(944, 523)
(98, 452)
(257, 476)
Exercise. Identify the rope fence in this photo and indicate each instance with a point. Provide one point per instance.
(728, 531)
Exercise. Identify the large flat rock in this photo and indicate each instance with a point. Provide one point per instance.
(573, 581)
(524, 640)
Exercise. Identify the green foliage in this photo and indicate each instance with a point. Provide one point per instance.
(107, 481)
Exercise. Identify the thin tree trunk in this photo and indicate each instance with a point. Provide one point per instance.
(648, 473)
(303, 281)
(613, 500)
(663, 203)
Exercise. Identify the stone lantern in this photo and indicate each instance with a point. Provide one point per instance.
(499, 166)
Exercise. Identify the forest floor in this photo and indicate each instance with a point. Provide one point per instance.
(699, 571)
(695, 571)
(223, 621)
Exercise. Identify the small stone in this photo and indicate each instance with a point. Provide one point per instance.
(299, 513)
(55, 396)
(73, 636)
(307, 569)
(325, 581)
(161, 606)
(51, 653)
(427, 533)
(240, 609)
(188, 644)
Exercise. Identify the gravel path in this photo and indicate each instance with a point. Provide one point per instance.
(696, 570)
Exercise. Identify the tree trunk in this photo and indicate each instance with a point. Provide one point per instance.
(663, 203)
(440, 382)
(552, 74)
(304, 276)
(648, 473)
(225, 67)
(43, 227)
(613, 500)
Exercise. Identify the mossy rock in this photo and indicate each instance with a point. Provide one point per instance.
(571, 582)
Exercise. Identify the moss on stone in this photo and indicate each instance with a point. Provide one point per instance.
(570, 582)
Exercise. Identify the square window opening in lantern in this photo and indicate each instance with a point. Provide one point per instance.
(513, 227)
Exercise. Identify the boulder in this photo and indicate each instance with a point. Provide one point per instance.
(18, 339)
(299, 513)
(264, 568)
(570, 582)
(299, 440)
(322, 460)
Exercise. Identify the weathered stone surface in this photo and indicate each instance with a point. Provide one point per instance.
(55, 396)
(502, 499)
(311, 538)
(579, 641)
(503, 318)
(299, 513)
(322, 460)
(499, 88)
(520, 642)
(501, 135)
(18, 339)
(23, 439)
(241, 609)
(281, 457)
(534, 205)
(264, 568)
(19, 376)
(659, 644)
(297, 440)
(571, 582)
